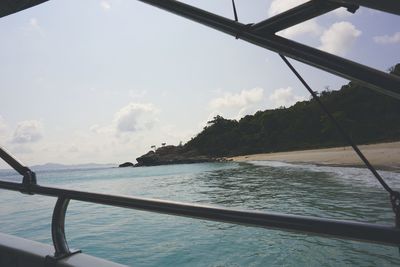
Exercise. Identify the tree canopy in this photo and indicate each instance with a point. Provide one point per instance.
(366, 115)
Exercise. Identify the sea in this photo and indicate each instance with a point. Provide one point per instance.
(138, 238)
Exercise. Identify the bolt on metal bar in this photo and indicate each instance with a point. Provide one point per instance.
(29, 177)
(366, 232)
(389, 6)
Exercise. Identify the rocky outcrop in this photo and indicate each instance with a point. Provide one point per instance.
(171, 155)
(126, 164)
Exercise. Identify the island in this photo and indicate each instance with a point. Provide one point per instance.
(367, 116)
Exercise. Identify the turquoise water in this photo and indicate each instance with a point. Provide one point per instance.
(138, 238)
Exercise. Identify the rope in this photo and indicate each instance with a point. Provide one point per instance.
(234, 10)
(341, 130)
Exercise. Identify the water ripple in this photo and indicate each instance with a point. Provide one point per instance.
(147, 239)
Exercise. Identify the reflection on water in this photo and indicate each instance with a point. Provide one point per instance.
(299, 191)
(146, 239)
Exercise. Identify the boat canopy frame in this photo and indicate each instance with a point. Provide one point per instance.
(262, 34)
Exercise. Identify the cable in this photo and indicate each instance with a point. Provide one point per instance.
(234, 10)
(341, 130)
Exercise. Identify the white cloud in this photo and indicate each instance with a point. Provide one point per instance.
(237, 105)
(105, 5)
(339, 38)
(279, 6)
(284, 97)
(388, 39)
(307, 27)
(135, 117)
(28, 132)
(238, 100)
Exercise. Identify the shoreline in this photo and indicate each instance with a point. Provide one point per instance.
(383, 156)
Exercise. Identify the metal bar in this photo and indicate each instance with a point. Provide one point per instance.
(57, 227)
(13, 162)
(390, 6)
(29, 177)
(8, 7)
(367, 232)
(376, 80)
(294, 16)
(379, 81)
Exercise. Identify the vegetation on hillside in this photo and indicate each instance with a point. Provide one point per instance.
(366, 115)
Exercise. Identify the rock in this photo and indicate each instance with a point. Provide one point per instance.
(171, 155)
(126, 164)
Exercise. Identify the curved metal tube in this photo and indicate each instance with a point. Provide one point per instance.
(57, 227)
(367, 232)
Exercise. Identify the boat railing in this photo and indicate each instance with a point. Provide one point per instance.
(382, 234)
(262, 34)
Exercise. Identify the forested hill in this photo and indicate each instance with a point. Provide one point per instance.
(366, 115)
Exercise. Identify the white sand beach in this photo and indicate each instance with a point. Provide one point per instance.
(382, 156)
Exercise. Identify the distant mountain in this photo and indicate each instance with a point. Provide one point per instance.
(57, 166)
(365, 115)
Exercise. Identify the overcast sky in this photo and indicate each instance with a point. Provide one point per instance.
(102, 81)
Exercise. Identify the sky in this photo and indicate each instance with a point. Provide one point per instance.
(101, 81)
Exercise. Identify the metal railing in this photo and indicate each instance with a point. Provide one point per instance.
(382, 234)
(261, 34)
